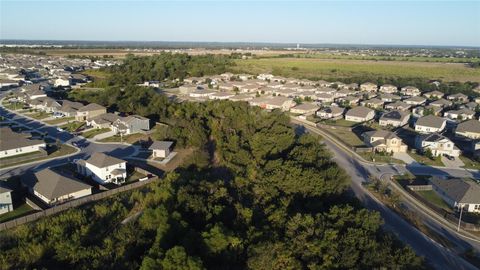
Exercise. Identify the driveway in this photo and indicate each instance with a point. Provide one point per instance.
(456, 163)
(404, 157)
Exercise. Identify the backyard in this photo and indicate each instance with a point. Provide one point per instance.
(382, 158)
(59, 120)
(18, 211)
(92, 133)
(72, 126)
(437, 161)
(346, 136)
(432, 197)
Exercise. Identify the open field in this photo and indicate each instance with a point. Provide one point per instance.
(343, 68)
(388, 58)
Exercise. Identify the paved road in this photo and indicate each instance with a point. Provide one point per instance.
(87, 147)
(437, 255)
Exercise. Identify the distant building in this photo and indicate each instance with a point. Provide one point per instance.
(394, 118)
(368, 87)
(360, 114)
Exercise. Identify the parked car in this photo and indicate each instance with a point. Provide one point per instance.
(59, 130)
(58, 115)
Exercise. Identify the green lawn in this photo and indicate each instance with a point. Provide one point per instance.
(470, 163)
(134, 177)
(370, 156)
(62, 151)
(39, 115)
(72, 126)
(21, 155)
(433, 198)
(59, 120)
(425, 160)
(343, 68)
(11, 106)
(339, 122)
(92, 133)
(18, 211)
(347, 137)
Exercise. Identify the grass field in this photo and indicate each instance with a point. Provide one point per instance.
(388, 58)
(380, 158)
(92, 133)
(18, 211)
(425, 160)
(73, 126)
(470, 163)
(432, 197)
(59, 120)
(347, 137)
(314, 68)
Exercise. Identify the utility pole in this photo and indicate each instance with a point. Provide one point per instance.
(460, 219)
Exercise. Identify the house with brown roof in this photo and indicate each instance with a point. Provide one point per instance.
(468, 129)
(14, 144)
(368, 87)
(332, 112)
(305, 108)
(430, 124)
(410, 91)
(388, 88)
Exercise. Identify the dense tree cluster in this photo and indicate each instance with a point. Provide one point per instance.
(138, 69)
(268, 198)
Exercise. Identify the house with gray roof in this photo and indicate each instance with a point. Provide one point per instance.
(90, 111)
(103, 168)
(394, 118)
(131, 124)
(430, 124)
(441, 103)
(458, 193)
(161, 149)
(398, 105)
(360, 114)
(54, 187)
(332, 112)
(14, 144)
(468, 129)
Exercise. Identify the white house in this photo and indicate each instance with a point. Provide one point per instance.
(462, 114)
(305, 108)
(469, 129)
(360, 114)
(458, 193)
(12, 143)
(333, 112)
(161, 149)
(438, 144)
(62, 82)
(410, 91)
(368, 87)
(271, 103)
(6, 204)
(388, 88)
(430, 124)
(103, 168)
(394, 118)
(53, 187)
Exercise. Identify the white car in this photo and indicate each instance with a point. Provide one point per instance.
(59, 129)
(58, 115)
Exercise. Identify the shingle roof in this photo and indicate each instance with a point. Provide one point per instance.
(102, 160)
(52, 184)
(469, 126)
(12, 140)
(458, 189)
(91, 107)
(359, 111)
(160, 145)
(394, 115)
(430, 121)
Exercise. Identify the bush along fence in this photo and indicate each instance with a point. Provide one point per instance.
(65, 206)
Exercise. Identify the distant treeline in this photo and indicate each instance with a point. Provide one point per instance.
(138, 69)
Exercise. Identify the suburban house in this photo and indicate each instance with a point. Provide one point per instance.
(161, 149)
(422, 111)
(62, 81)
(6, 204)
(69, 108)
(462, 114)
(438, 144)
(410, 91)
(384, 141)
(430, 124)
(105, 120)
(46, 104)
(285, 92)
(368, 87)
(351, 100)
(271, 103)
(434, 95)
(441, 103)
(394, 118)
(325, 97)
(458, 97)
(468, 129)
(332, 112)
(305, 108)
(360, 114)
(374, 103)
(131, 124)
(241, 97)
(103, 168)
(90, 111)
(54, 187)
(388, 88)
(458, 193)
(389, 97)
(415, 101)
(398, 105)
(222, 95)
(13, 143)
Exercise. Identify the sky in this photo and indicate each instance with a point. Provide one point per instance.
(336, 22)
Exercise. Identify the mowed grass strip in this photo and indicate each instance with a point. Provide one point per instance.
(343, 68)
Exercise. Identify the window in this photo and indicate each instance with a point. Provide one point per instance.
(477, 207)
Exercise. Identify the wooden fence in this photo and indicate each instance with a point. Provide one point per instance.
(65, 206)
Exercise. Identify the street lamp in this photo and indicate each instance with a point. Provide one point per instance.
(460, 219)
